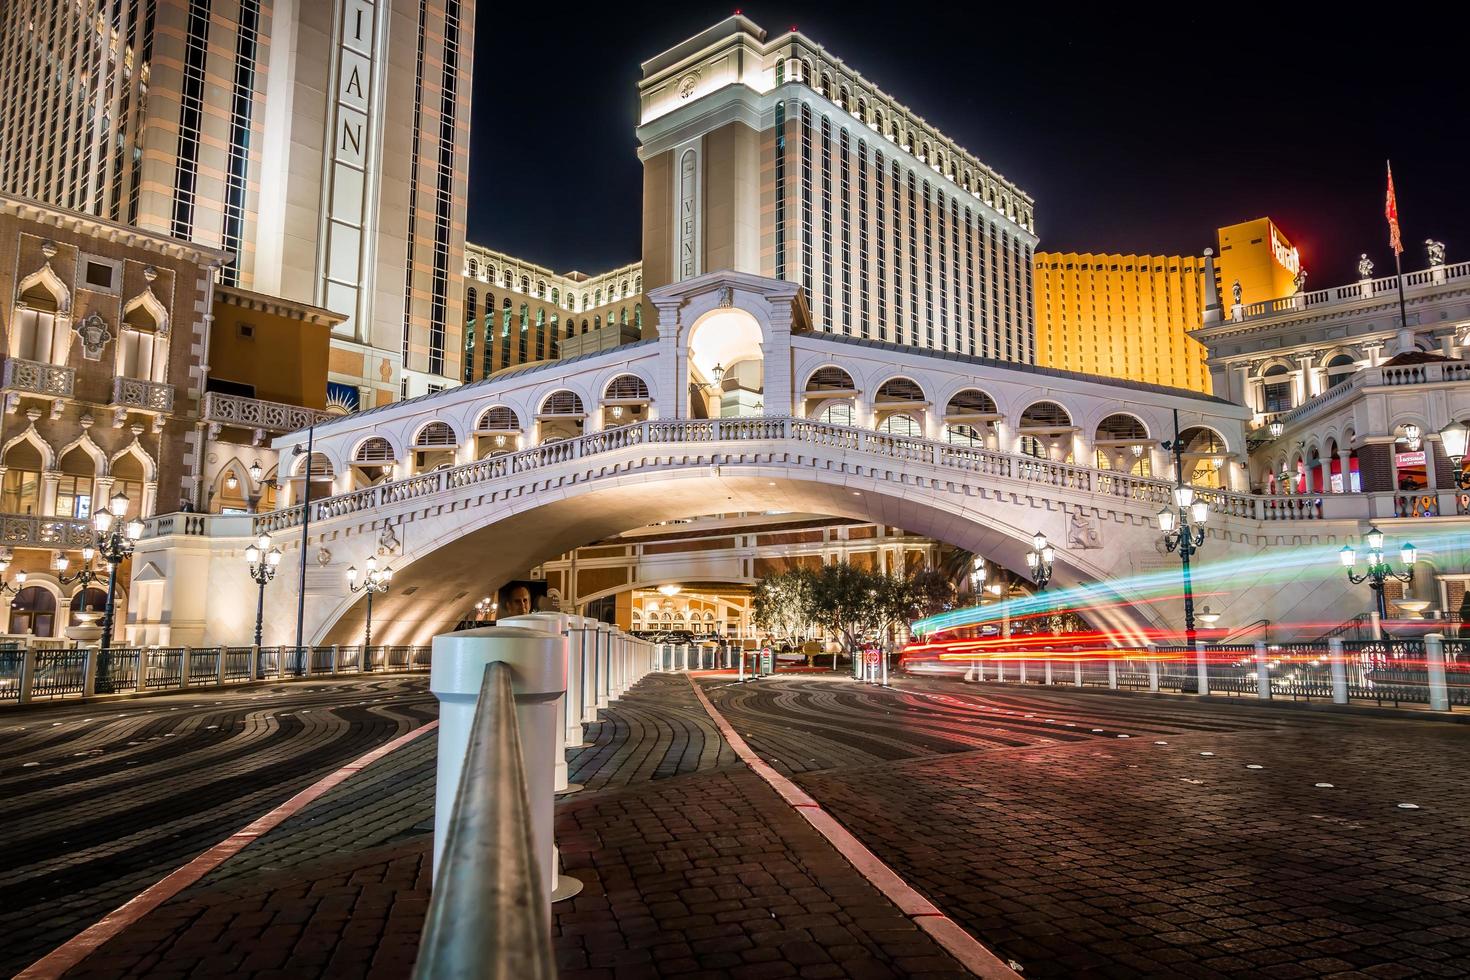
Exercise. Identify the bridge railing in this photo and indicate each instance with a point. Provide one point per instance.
(45, 673)
(1432, 671)
(877, 445)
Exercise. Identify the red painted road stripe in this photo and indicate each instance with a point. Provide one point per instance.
(55, 963)
(969, 951)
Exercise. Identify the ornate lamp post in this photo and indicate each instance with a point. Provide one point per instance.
(1039, 560)
(115, 542)
(20, 577)
(263, 559)
(1184, 526)
(374, 581)
(1454, 438)
(1379, 570)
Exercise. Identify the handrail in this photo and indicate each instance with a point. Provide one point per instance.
(488, 914)
(899, 449)
(1265, 625)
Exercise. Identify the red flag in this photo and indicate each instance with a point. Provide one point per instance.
(1391, 212)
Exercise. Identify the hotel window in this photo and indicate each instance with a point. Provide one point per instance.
(845, 203)
(913, 240)
(1276, 392)
(487, 363)
(524, 332)
(970, 281)
(896, 186)
(191, 115)
(864, 310)
(471, 297)
(241, 106)
(140, 347)
(780, 181)
(413, 183)
(928, 270)
(882, 251)
(822, 311)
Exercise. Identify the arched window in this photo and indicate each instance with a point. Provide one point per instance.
(969, 415)
(623, 317)
(474, 268)
(22, 486)
(585, 325)
(562, 403)
(638, 317)
(597, 321)
(901, 424)
(74, 488)
(435, 435)
(91, 601)
(1045, 426)
(540, 287)
(830, 378)
(1340, 368)
(128, 477)
(900, 390)
(1204, 455)
(375, 450)
(34, 331)
(33, 611)
(837, 412)
(1276, 392)
(626, 387)
(500, 418)
(1122, 443)
(525, 284)
(598, 295)
(141, 348)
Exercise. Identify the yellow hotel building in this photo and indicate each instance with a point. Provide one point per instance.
(1128, 316)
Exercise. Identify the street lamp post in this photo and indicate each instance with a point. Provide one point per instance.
(1378, 570)
(1039, 559)
(263, 560)
(1184, 526)
(115, 542)
(375, 580)
(20, 577)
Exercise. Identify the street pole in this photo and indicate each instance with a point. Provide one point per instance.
(1186, 542)
(259, 610)
(367, 639)
(305, 530)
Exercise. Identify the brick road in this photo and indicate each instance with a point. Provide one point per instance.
(100, 801)
(1200, 845)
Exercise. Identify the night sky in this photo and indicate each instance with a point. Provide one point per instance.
(1132, 133)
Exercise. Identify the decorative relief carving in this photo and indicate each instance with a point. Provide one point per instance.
(94, 335)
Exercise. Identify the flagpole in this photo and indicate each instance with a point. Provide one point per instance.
(1398, 269)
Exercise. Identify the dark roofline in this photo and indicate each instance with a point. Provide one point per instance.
(990, 362)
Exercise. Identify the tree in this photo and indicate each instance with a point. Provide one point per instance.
(782, 605)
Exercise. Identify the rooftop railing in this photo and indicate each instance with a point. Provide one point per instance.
(1384, 289)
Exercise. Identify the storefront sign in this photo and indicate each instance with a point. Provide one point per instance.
(1402, 460)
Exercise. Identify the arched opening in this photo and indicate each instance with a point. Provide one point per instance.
(726, 365)
(231, 490)
(22, 486)
(142, 353)
(372, 463)
(1276, 390)
(1122, 444)
(1410, 458)
(1205, 455)
(37, 333)
(1046, 431)
(33, 612)
(969, 419)
(322, 476)
(434, 447)
(900, 397)
(87, 606)
(497, 431)
(1340, 368)
(625, 400)
(562, 416)
(829, 395)
(129, 477)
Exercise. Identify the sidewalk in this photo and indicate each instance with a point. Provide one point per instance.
(691, 865)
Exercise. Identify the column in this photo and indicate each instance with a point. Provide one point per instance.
(1344, 466)
(49, 483)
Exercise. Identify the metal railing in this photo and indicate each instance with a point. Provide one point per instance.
(43, 673)
(488, 913)
(1431, 671)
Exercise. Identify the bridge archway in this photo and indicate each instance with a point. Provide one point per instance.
(445, 562)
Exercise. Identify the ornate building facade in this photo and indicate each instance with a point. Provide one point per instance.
(323, 145)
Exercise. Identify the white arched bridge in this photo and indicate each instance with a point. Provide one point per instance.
(735, 407)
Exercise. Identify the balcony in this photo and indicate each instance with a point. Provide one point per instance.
(1366, 292)
(135, 394)
(22, 377)
(30, 531)
(262, 417)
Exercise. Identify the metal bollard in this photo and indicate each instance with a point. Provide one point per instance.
(538, 679)
(1337, 666)
(1263, 672)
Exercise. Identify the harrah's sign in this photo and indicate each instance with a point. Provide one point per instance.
(1285, 254)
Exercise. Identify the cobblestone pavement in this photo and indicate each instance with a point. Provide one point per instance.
(692, 866)
(1093, 835)
(100, 801)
